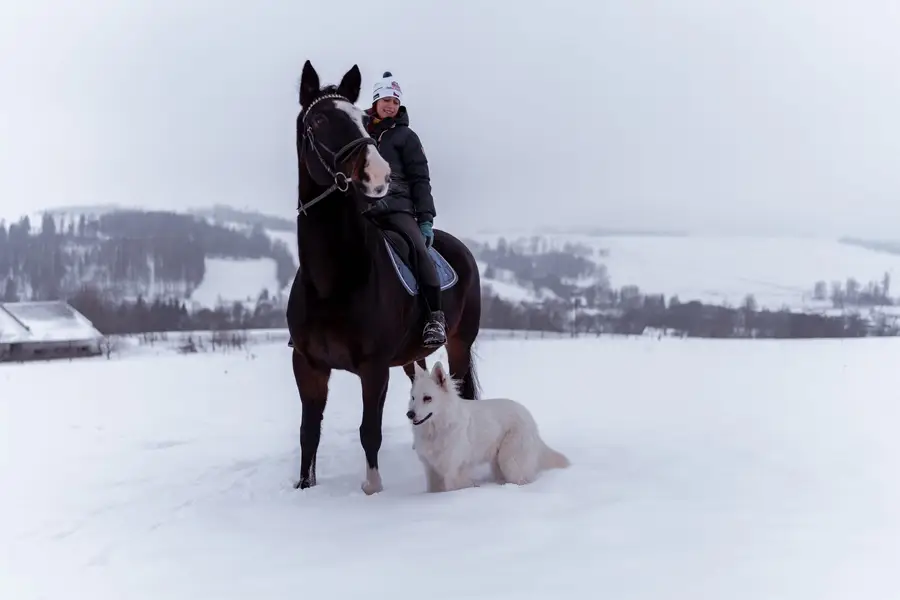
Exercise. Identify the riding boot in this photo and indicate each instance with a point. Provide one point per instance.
(435, 334)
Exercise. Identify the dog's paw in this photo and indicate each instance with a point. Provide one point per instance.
(459, 483)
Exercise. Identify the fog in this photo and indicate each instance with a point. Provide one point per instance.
(702, 115)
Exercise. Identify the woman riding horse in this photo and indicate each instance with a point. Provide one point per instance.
(408, 207)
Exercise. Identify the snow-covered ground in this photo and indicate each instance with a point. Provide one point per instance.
(716, 269)
(231, 280)
(701, 469)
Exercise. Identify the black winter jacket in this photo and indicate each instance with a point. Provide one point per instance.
(410, 189)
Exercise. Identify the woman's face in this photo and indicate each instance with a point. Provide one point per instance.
(387, 107)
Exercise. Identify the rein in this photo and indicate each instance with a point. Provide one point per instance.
(341, 181)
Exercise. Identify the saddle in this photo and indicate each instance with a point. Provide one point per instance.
(400, 253)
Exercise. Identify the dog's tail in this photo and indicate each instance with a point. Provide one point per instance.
(553, 459)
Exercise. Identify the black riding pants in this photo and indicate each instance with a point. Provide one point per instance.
(427, 276)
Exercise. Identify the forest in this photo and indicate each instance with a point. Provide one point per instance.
(125, 253)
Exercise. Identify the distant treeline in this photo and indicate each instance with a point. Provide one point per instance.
(853, 294)
(126, 253)
(633, 313)
(112, 317)
(695, 319)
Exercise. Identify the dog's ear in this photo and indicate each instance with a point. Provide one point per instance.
(439, 375)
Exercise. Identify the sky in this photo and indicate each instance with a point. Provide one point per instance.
(775, 116)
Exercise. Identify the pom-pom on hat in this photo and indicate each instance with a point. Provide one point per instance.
(387, 87)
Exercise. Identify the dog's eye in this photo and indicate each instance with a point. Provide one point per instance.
(426, 398)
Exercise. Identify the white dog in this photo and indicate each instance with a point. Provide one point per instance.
(452, 435)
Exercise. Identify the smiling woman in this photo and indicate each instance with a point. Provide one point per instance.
(409, 207)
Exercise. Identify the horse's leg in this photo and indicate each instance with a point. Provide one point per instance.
(312, 383)
(410, 369)
(459, 344)
(374, 378)
(459, 348)
(462, 367)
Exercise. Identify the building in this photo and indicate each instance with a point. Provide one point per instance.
(44, 331)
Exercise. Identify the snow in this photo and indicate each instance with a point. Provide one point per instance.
(701, 469)
(10, 329)
(236, 280)
(778, 271)
(44, 322)
(504, 286)
(509, 291)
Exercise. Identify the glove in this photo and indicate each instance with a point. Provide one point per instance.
(425, 228)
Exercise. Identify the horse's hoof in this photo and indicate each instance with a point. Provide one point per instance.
(302, 484)
(372, 483)
(370, 488)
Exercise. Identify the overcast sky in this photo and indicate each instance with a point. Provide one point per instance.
(771, 115)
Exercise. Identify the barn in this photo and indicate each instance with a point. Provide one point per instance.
(45, 331)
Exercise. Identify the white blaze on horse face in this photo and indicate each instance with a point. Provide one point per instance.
(377, 169)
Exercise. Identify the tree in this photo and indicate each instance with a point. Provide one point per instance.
(749, 305)
(820, 291)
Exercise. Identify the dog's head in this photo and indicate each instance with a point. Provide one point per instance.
(432, 393)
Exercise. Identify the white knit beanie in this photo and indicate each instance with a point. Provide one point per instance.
(386, 87)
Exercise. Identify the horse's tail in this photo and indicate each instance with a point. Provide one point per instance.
(470, 387)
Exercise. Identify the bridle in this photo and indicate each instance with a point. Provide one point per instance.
(341, 181)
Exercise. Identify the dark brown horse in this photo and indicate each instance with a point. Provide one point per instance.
(354, 305)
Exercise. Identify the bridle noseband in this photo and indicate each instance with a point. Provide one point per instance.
(341, 181)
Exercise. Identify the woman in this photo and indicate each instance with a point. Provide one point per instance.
(408, 206)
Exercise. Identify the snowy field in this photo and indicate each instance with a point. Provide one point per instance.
(228, 280)
(778, 271)
(701, 469)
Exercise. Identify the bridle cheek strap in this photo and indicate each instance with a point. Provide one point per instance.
(341, 182)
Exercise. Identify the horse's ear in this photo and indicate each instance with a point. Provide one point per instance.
(309, 84)
(439, 375)
(350, 84)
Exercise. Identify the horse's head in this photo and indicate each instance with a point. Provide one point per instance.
(332, 142)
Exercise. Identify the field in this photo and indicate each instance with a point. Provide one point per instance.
(701, 469)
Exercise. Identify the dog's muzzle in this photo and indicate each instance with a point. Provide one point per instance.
(412, 417)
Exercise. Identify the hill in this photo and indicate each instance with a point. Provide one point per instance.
(777, 271)
(731, 286)
(128, 254)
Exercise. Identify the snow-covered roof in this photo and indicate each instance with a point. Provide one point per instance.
(44, 322)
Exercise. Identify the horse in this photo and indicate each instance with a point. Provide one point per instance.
(354, 304)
